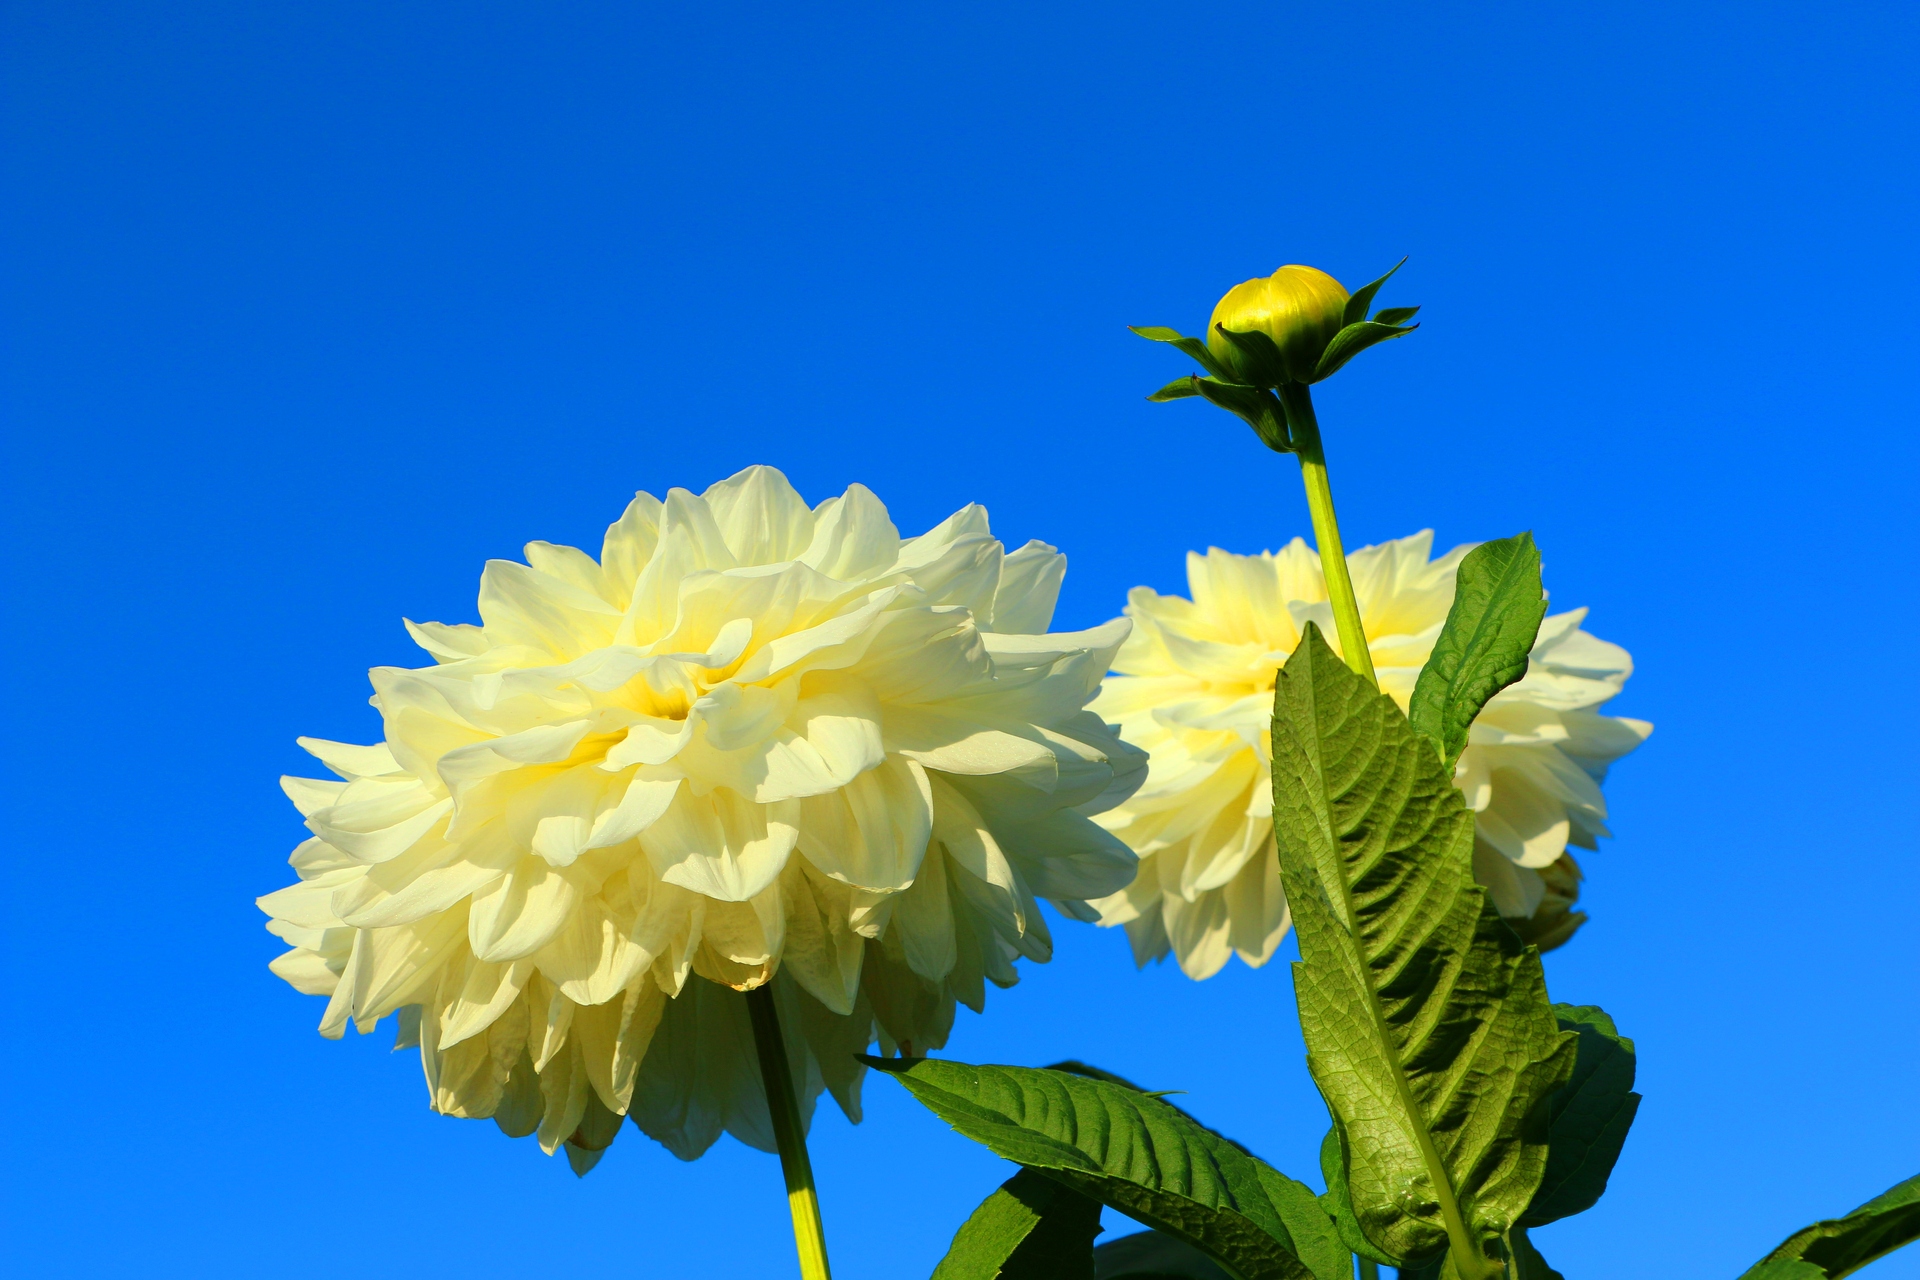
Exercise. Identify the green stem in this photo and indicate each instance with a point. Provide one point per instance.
(809, 1239)
(1369, 1269)
(1305, 431)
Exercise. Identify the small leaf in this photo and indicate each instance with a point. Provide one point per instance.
(1395, 315)
(1032, 1228)
(1193, 347)
(1351, 341)
(1483, 646)
(1589, 1117)
(1153, 1255)
(1841, 1246)
(1357, 304)
(1178, 389)
(1139, 1156)
(1427, 1023)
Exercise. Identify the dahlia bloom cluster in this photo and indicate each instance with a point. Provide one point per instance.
(1193, 686)
(753, 742)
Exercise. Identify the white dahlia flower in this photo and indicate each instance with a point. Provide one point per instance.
(754, 742)
(1194, 687)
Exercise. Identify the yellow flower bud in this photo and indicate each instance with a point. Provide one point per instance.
(1299, 308)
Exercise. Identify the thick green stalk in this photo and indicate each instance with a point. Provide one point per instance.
(1304, 429)
(809, 1239)
(1369, 1269)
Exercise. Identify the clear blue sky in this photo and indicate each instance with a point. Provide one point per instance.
(311, 309)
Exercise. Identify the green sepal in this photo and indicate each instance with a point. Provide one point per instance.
(1351, 341)
(1483, 645)
(1153, 1255)
(1138, 1155)
(1258, 408)
(1413, 993)
(1178, 389)
(1589, 1117)
(1032, 1228)
(1260, 350)
(1333, 1168)
(1841, 1246)
(1193, 347)
(1395, 315)
(1358, 303)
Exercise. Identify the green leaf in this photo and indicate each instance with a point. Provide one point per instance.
(1076, 1067)
(1178, 389)
(1588, 1117)
(1841, 1246)
(1357, 304)
(1527, 1262)
(1032, 1228)
(1138, 1155)
(1258, 408)
(1193, 347)
(1483, 646)
(1153, 1255)
(1351, 341)
(1395, 315)
(1336, 1199)
(1427, 1022)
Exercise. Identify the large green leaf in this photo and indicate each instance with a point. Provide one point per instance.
(1589, 1117)
(1841, 1246)
(1032, 1228)
(1153, 1255)
(1336, 1200)
(1140, 1156)
(1427, 1022)
(1483, 646)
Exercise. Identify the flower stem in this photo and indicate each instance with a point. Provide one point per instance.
(809, 1240)
(1305, 431)
(1369, 1269)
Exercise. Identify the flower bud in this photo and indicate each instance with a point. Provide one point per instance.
(1298, 308)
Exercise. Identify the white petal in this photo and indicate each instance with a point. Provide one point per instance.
(720, 844)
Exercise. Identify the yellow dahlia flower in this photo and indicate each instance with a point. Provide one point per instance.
(1194, 687)
(753, 742)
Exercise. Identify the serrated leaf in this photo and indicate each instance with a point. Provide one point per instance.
(1588, 1117)
(1395, 315)
(1178, 389)
(1841, 1246)
(1195, 348)
(1357, 305)
(1074, 1066)
(1427, 1022)
(1153, 1255)
(1032, 1228)
(1351, 341)
(1138, 1155)
(1484, 643)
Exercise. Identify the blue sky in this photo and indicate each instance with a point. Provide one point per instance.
(313, 309)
